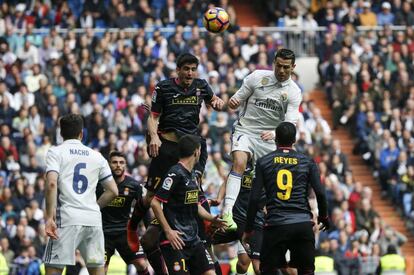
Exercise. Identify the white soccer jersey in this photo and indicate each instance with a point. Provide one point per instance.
(266, 102)
(80, 169)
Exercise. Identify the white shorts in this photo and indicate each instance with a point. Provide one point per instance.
(253, 145)
(88, 239)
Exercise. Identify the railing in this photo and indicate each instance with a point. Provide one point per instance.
(303, 41)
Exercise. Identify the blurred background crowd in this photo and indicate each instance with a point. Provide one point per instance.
(108, 77)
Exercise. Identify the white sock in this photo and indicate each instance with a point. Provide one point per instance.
(232, 191)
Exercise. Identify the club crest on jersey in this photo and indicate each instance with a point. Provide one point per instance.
(177, 266)
(126, 191)
(198, 92)
(284, 96)
(167, 183)
(265, 81)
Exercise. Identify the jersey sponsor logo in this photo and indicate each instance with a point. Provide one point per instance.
(117, 202)
(247, 181)
(167, 183)
(283, 160)
(191, 197)
(78, 152)
(268, 104)
(185, 100)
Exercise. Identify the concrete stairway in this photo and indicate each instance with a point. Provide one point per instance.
(363, 174)
(247, 13)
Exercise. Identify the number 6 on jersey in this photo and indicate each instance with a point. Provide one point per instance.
(284, 181)
(80, 182)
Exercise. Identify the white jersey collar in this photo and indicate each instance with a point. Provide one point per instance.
(73, 140)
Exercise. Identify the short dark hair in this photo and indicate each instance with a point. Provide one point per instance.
(285, 54)
(285, 134)
(187, 145)
(116, 153)
(186, 58)
(71, 126)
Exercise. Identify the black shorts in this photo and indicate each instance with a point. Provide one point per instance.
(120, 243)
(298, 238)
(231, 236)
(167, 157)
(190, 260)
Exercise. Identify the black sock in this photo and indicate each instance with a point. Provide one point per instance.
(156, 261)
(217, 267)
(139, 212)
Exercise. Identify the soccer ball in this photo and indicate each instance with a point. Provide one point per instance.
(216, 20)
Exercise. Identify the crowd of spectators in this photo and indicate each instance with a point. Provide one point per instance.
(108, 78)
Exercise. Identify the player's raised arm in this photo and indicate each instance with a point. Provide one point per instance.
(245, 91)
(319, 190)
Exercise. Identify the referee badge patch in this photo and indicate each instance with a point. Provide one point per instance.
(167, 183)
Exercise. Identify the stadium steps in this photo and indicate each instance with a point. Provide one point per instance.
(363, 173)
(247, 13)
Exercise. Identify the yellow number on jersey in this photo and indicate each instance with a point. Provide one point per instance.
(284, 183)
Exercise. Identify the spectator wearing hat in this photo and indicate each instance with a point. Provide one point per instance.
(367, 17)
(385, 17)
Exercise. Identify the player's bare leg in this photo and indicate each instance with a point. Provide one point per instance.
(210, 272)
(233, 183)
(141, 266)
(96, 270)
(53, 270)
(243, 263)
(150, 244)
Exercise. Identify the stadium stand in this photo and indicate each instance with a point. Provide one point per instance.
(53, 62)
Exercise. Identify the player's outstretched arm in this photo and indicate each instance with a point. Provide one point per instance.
(172, 235)
(111, 191)
(245, 91)
(50, 197)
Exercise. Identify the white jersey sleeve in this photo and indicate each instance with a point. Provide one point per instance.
(52, 161)
(292, 110)
(105, 173)
(247, 88)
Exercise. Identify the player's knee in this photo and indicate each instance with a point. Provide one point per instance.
(239, 166)
(243, 264)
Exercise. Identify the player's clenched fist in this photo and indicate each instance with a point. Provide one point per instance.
(234, 103)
